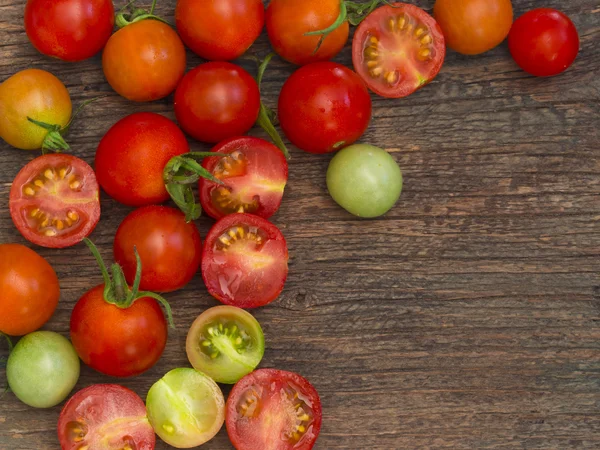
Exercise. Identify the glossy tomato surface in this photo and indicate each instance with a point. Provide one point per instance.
(71, 30)
(169, 247)
(544, 42)
(55, 200)
(255, 173)
(245, 261)
(273, 409)
(398, 49)
(132, 155)
(144, 61)
(324, 107)
(288, 21)
(105, 416)
(216, 101)
(219, 30)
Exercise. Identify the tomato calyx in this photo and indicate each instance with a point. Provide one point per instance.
(128, 15)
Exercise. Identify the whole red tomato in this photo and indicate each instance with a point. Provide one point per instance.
(71, 30)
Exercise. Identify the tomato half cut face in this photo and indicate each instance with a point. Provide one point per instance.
(105, 416)
(398, 49)
(275, 410)
(245, 261)
(55, 201)
(255, 173)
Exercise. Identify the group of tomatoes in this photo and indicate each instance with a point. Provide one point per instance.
(118, 327)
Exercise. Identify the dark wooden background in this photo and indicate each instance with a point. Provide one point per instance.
(467, 318)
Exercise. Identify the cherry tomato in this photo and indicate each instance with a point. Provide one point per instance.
(72, 30)
(55, 201)
(219, 30)
(544, 42)
(324, 107)
(144, 61)
(29, 290)
(216, 101)
(273, 409)
(169, 247)
(36, 94)
(288, 21)
(472, 27)
(131, 158)
(398, 49)
(105, 416)
(255, 174)
(245, 261)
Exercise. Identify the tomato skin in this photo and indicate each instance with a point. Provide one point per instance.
(544, 42)
(324, 107)
(169, 247)
(216, 101)
(32, 93)
(219, 30)
(132, 155)
(144, 61)
(71, 30)
(288, 21)
(29, 287)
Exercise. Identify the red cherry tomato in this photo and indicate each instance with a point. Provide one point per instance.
(169, 247)
(324, 107)
(216, 101)
(131, 158)
(544, 42)
(273, 409)
(72, 30)
(54, 201)
(219, 30)
(255, 174)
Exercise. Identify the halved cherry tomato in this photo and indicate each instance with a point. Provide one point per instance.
(273, 409)
(255, 173)
(398, 49)
(55, 201)
(131, 158)
(219, 30)
(324, 107)
(245, 261)
(72, 30)
(105, 416)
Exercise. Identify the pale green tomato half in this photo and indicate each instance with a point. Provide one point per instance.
(186, 408)
(364, 180)
(42, 369)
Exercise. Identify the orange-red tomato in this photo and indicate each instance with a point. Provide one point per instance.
(472, 27)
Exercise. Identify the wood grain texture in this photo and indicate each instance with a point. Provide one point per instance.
(467, 318)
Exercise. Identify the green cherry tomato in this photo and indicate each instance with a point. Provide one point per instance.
(364, 180)
(186, 408)
(226, 343)
(42, 369)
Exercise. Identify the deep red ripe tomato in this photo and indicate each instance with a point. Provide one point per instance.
(219, 30)
(54, 200)
(273, 406)
(72, 30)
(544, 42)
(131, 158)
(324, 107)
(255, 174)
(398, 49)
(216, 101)
(169, 247)
(245, 261)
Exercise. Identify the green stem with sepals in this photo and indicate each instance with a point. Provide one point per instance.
(129, 14)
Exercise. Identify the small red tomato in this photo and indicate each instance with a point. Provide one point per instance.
(71, 30)
(216, 101)
(544, 42)
(324, 107)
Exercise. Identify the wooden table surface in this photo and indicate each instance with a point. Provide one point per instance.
(466, 318)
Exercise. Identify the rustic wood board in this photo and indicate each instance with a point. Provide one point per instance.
(467, 318)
